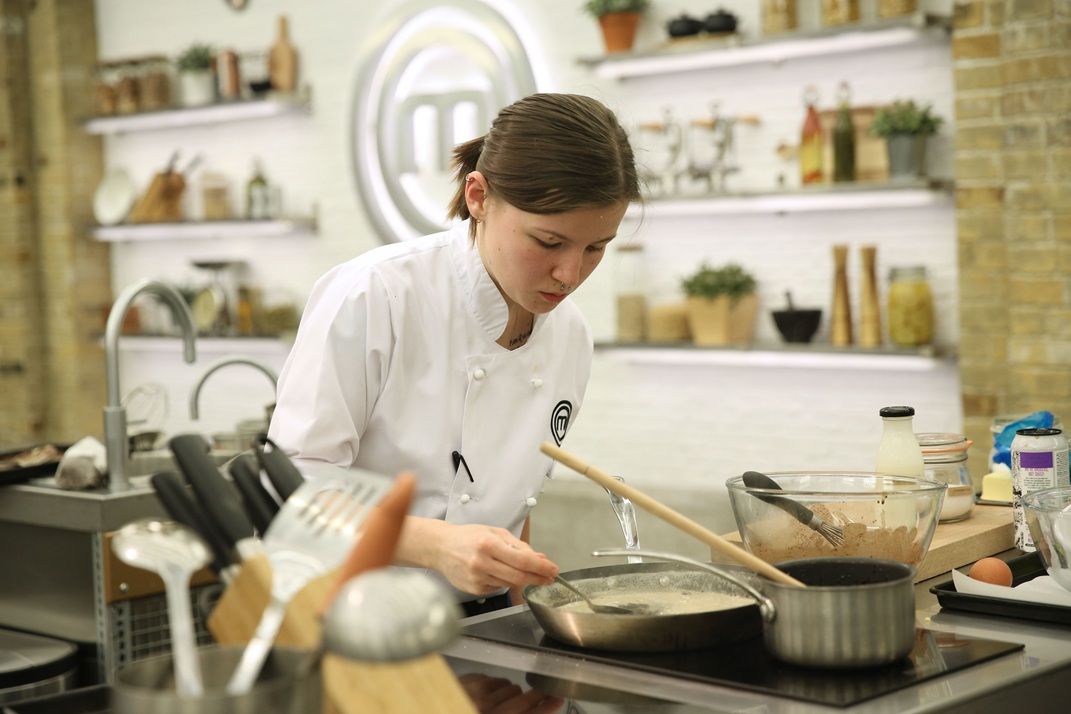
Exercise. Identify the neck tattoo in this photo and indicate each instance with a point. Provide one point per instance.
(521, 338)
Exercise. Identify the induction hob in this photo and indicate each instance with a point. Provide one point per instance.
(748, 666)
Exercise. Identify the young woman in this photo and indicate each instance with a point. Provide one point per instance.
(455, 355)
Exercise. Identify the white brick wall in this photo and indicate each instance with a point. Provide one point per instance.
(661, 426)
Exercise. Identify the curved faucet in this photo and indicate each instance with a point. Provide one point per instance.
(115, 437)
(626, 516)
(195, 395)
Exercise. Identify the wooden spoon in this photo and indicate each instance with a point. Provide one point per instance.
(670, 516)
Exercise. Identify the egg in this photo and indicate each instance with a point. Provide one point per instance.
(993, 571)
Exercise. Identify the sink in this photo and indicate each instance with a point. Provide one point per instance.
(144, 463)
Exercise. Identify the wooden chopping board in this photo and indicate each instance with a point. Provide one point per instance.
(987, 532)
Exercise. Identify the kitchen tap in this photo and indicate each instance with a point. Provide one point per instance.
(195, 395)
(115, 436)
(626, 516)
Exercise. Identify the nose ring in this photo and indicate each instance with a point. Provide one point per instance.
(564, 287)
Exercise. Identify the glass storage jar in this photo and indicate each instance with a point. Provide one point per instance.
(945, 460)
(107, 77)
(155, 83)
(910, 307)
(631, 294)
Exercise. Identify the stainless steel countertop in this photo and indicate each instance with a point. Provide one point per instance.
(1026, 680)
(41, 503)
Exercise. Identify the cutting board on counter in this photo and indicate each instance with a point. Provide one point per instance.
(987, 532)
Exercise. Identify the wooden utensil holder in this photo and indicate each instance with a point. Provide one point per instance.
(422, 685)
(162, 200)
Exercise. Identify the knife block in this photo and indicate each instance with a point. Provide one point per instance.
(162, 200)
(422, 685)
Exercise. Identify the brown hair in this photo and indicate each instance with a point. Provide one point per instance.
(550, 153)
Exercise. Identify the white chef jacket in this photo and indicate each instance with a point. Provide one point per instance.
(395, 366)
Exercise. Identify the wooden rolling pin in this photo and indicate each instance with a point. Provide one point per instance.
(667, 514)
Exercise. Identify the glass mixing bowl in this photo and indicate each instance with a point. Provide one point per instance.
(890, 517)
(1048, 514)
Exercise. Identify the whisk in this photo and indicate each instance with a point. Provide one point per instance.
(832, 533)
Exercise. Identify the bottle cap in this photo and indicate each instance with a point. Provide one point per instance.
(897, 411)
(1039, 432)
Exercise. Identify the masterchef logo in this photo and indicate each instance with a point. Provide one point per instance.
(559, 420)
(433, 75)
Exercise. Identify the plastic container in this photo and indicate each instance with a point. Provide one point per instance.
(945, 459)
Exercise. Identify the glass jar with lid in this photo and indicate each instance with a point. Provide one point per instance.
(910, 307)
(631, 294)
(945, 459)
(155, 82)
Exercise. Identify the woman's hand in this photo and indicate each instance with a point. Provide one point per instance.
(476, 559)
(493, 695)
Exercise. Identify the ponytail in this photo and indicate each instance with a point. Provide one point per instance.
(465, 158)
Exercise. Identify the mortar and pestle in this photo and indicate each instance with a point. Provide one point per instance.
(796, 325)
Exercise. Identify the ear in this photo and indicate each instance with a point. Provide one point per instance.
(476, 195)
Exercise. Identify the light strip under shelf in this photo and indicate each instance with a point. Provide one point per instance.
(194, 116)
(205, 229)
(758, 358)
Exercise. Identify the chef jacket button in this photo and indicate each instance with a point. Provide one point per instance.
(530, 501)
(536, 382)
(478, 373)
(465, 498)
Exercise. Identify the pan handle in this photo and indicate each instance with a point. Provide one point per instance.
(766, 606)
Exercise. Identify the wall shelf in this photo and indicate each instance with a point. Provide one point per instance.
(783, 356)
(206, 345)
(700, 54)
(179, 117)
(205, 230)
(827, 197)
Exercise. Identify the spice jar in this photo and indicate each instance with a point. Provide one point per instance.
(945, 460)
(127, 100)
(154, 83)
(910, 307)
(839, 12)
(107, 76)
(631, 295)
(778, 16)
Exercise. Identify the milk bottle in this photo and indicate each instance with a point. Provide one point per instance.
(899, 454)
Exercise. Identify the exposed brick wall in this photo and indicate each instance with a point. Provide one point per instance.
(51, 315)
(1012, 61)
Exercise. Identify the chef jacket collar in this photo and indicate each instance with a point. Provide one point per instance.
(484, 298)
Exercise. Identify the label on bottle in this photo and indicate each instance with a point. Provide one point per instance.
(1039, 461)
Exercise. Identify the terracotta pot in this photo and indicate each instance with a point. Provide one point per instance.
(720, 321)
(619, 30)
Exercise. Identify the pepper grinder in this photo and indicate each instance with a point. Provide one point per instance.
(841, 318)
(869, 313)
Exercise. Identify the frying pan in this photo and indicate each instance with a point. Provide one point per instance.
(642, 633)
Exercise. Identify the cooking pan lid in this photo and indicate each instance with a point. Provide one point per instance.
(26, 659)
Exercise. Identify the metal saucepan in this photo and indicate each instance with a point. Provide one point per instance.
(855, 612)
(642, 633)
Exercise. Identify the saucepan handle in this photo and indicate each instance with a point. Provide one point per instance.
(766, 606)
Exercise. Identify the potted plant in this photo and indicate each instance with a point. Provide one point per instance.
(618, 19)
(722, 304)
(905, 127)
(196, 83)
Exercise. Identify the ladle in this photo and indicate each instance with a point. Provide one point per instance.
(174, 552)
(629, 609)
(667, 514)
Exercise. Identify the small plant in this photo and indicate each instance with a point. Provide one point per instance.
(195, 58)
(905, 117)
(598, 8)
(708, 282)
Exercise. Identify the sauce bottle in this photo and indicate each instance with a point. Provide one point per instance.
(899, 453)
(811, 140)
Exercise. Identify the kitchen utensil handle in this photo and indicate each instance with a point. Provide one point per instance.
(258, 648)
(180, 505)
(281, 471)
(218, 497)
(183, 642)
(754, 479)
(670, 516)
(258, 503)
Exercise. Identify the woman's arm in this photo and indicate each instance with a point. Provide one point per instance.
(475, 558)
